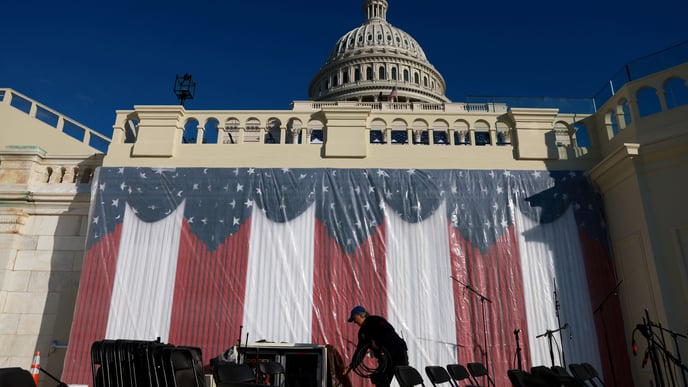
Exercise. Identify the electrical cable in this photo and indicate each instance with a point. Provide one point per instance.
(365, 371)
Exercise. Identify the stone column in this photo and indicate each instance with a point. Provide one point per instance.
(200, 132)
(305, 136)
(240, 140)
(662, 99)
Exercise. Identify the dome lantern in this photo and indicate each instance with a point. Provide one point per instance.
(375, 9)
(377, 62)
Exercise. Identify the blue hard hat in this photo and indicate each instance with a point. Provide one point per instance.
(356, 310)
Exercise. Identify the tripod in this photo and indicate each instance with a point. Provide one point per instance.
(482, 304)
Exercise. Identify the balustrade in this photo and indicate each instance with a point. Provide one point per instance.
(52, 118)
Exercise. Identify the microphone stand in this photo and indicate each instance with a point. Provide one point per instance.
(678, 360)
(518, 350)
(556, 310)
(600, 308)
(549, 334)
(482, 303)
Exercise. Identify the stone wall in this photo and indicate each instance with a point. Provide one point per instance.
(43, 225)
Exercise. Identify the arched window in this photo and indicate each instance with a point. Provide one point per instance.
(316, 129)
(381, 73)
(294, 131)
(334, 81)
(369, 73)
(461, 134)
(440, 132)
(399, 133)
(406, 75)
(561, 134)
(582, 139)
(345, 77)
(416, 80)
(190, 135)
(425, 81)
(675, 92)
(420, 132)
(394, 73)
(377, 132)
(503, 133)
(482, 133)
(612, 123)
(648, 102)
(357, 74)
(273, 132)
(210, 132)
(231, 130)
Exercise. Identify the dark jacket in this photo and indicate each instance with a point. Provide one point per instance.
(379, 333)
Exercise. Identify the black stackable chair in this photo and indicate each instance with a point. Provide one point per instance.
(408, 376)
(586, 374)
(478, 370)
(438, 375)
(555, 376)
(459, 373)
(520, 378)
(592, 372)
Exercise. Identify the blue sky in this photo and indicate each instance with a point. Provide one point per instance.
(87, 59)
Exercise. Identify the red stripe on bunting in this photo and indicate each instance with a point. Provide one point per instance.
(601, 282)
(208, 305)
(342, 281)
(497, 275)
(91, 311)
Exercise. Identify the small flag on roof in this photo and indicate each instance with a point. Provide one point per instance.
(393, 94)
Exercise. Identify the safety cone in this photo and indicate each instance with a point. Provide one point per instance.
(35, 365)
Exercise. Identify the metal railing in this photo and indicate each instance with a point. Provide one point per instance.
(641, 67)
(634, 70)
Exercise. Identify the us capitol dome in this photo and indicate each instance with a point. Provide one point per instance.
(377, 61)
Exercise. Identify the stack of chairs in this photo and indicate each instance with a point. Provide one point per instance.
(582, 375)
(135, 363)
